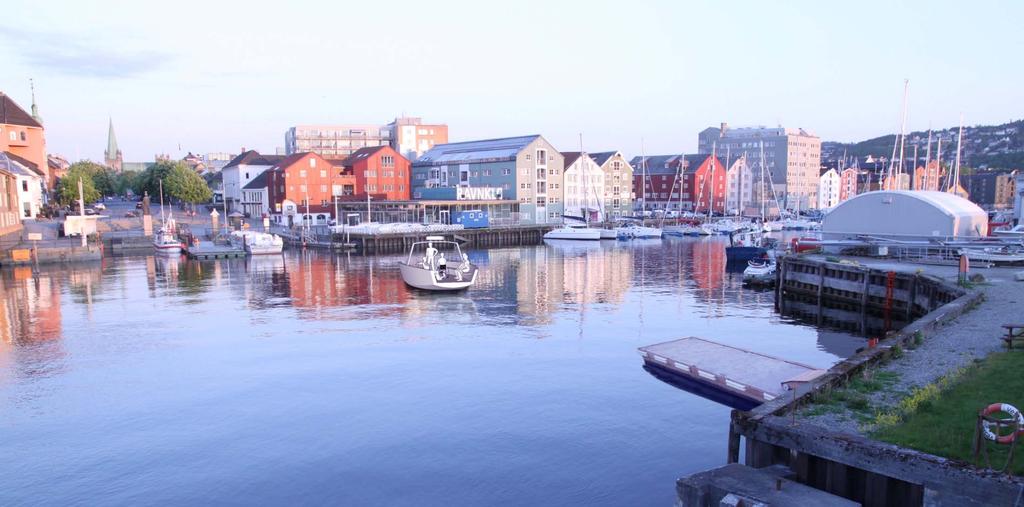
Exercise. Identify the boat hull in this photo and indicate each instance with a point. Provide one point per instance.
(420, 278)
(574, 233)
(744, 253)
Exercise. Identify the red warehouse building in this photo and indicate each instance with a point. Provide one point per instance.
(301, 181)
(678, 182)
(380, 171)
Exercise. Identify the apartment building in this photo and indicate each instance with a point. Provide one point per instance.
(739, 192)
(848, 183)
(412, 138)
(792, 157)
(526, 172)
(301, 188)
(618, 183)
(680, 182)
(240, 171)
(829, 188)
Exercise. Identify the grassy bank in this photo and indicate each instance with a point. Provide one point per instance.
(943, 423)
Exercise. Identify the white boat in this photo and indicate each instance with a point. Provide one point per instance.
(682, 230)
(759, 273)
(708, 229)
(1003, 255)
(258, 243)
(165, 241)
(1007, 232)
(636, 231)
(608, 234)
(772, 226)
(576, 232)
(433, 271)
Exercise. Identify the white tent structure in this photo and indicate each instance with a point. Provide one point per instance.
(905, 214)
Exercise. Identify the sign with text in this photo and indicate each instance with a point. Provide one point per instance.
(478, 193)
(35, 236)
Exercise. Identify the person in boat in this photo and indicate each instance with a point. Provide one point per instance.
(428, 258)
(442, 265)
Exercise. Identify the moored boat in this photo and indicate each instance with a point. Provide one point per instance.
(996, 255)
(574, 232)
(759, 273)
(258, 243)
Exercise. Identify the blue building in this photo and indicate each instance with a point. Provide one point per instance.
(516, 179)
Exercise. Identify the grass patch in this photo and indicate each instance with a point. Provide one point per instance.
(939, 418)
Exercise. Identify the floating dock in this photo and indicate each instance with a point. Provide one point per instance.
(208, 250)
(745, 378)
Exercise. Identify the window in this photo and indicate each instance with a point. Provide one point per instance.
(14, 136)
(323, 188)
(387, 161)
(312, 163)
(323, 173)
(23, 136)
(24, 186)
(506, 172)
(302, 188)
(542, 157)
(302, 172)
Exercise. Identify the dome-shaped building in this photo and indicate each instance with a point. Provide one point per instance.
(906, 214)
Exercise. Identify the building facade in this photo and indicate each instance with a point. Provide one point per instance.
(335, 141)
(739, 193)
(242, 170)
(928, 176)
(829, 188)
(22, 134)
(10, 221)
(792, 158)
(991, 190)
(583, 187)
(302, 188)
(28, 180)
(255, 201)
(618, 183)
(526, 172)
(848, 183)
(412, 138)
(379, 170)
(680, 182)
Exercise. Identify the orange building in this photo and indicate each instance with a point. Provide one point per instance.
(848, 183)
(305, 183)
(22, 134)
(379, 170)
(412, 138)
(928, 177)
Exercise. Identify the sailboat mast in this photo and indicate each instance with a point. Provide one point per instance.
(764, 194)
(643, 179)
(711, 197)
(897, 143)
(938, 163)
(583, 174)
(959, 142)
(162, 202)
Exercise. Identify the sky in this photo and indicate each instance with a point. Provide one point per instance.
(218, 76)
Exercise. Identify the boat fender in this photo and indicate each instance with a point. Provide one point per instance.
(986, 426)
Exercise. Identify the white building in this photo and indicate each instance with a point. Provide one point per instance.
(618, 183)
(256, 197)
(583, 183)
(739, 187)
(905, 214)
(240, 171)
(29, 182)
(828, 189)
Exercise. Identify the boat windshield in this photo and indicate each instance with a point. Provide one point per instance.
(428, 252)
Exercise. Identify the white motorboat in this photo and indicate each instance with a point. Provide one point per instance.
(576, 232)
(759, 273)
(1006, 232)
(258, 243)
(165, 242)
(708, 229)
(772, 226)
(608, 234)
(433, 271)
(682, 230)
(636, 231)
(996, 255)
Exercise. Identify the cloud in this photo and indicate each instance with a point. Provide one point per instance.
(76, 57)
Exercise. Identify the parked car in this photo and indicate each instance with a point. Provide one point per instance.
(99, 206)
(90, 211)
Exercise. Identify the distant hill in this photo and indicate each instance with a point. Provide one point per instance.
(984, 146)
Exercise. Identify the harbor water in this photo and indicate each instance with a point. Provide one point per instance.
(319, 378)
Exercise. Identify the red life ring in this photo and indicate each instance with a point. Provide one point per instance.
(986, 426)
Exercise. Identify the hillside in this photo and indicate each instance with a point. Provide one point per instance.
(984, 146)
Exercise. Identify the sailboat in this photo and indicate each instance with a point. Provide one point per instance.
(639, 230)
(768, 225)
(164, 241)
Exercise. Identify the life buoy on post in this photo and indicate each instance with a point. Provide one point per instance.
(986, 425)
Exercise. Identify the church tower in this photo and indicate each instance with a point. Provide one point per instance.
(112, 156)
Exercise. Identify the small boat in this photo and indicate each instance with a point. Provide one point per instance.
(433, 271)
(1007, 232)
(576, 232)
(759, 273)
(996, 255)
(747, 246)
(258, 243)
(682, 230)
(636, 231)
(772, 226)
(165, 242)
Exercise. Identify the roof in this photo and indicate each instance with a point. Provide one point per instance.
(9, 164)
(358, 155)
(12, 114)
(487, 150)
(253, 157)
(289, 160)
(601, 158)
(951, 204)
(669, 164)
(30, 165)
(570, 157)
(260, 181)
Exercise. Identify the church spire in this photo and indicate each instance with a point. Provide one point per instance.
(35, 109)
(113, 154)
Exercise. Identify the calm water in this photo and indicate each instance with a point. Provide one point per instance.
(322, 379)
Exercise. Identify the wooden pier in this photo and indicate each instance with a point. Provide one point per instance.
(752, 377)
(471, 238)
(206, 250)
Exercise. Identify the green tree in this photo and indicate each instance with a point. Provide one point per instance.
(185, 184)
(149, 180)
(67, 188)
